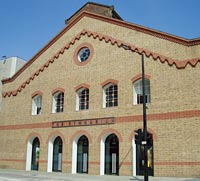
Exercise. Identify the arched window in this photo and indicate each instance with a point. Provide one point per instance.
(35, 154)
(110, 95)
(57, 154)
(36, 105)
(112, 155)
(82, 154)
(138, 92)
(58, 102)
(82, 99)
(140, 156)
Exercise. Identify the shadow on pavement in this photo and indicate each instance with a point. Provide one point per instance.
(135, 178)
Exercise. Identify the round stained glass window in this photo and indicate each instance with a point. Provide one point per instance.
(83, 54)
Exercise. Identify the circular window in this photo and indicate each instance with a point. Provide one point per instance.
(83, 54)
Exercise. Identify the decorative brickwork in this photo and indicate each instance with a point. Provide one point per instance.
(81, 86)
(178, 64)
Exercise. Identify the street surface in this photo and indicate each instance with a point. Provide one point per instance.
(16, 175)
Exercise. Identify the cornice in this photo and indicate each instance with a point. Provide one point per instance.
(152, 32)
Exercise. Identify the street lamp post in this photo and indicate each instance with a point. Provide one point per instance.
(144, 142)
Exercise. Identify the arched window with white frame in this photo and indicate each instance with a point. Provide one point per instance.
(82, 99)
(138, 92)
(110, 95)
(36, 104)
(58, 102)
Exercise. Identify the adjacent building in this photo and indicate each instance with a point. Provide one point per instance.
(76, 106)
(8, 67)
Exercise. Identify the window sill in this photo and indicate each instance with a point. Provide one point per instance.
(57, 112)
(82, 110)
(114, 107)
(142, 104)
(36, 114)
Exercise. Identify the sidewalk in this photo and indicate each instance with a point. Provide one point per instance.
(19, 175)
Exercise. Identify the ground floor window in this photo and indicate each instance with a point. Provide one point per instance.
(112, 155)
(109, 154)
(57, 155)
(140, 156)
(82, 155)
(35, 154)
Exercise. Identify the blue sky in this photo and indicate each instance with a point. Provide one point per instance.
(28, 25)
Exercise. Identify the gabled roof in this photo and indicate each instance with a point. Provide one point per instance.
(118, 22)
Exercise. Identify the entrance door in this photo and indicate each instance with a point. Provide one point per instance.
(112, 155)
(140, 156)
(82, 155)
(57, 155)
(35, 154)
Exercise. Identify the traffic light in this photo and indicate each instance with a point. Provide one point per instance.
(138, 136)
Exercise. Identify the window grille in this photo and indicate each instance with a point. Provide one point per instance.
(110, 96)
(83, 99)
(58, 102)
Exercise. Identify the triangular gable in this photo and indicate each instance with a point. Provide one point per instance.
(179, 64)
(135, 27)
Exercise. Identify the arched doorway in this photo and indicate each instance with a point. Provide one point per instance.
(82, 154)
(112, 155)
(140, 156)
(57, 154)
(35, 154)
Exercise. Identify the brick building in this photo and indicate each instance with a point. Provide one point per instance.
(75, 106)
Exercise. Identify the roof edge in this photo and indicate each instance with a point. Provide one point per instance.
(152, 32)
